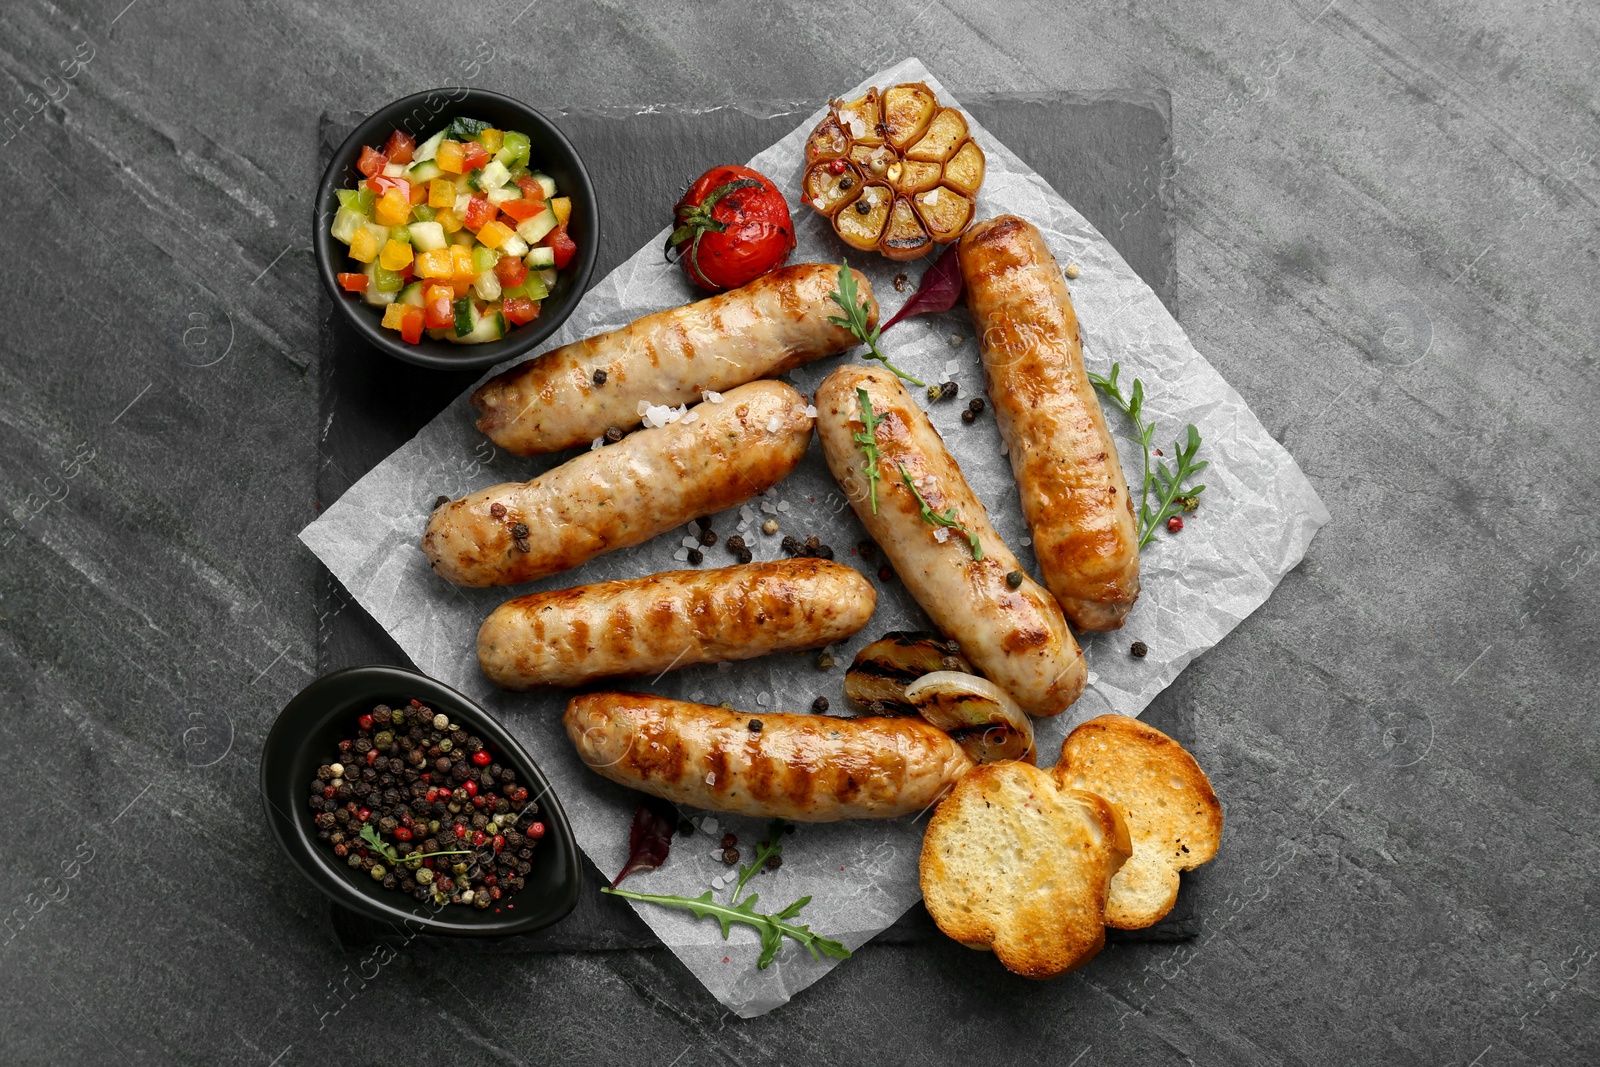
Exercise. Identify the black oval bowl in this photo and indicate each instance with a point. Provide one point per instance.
(308, 732)
(420, 115)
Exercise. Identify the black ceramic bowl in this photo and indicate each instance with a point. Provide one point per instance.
(307, 734)
(420, 115)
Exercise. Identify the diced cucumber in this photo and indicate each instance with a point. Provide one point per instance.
(401, 234)
(373, 295)
(486, 326)
(412, 294)
(429, 148)
(547, 183)
(487, 285)
(539, 258)
(381, 233)
(533, 287)
(502, 194)
(533, 230)
(514, 246)
(427, 236)
(493, 176)
(427, 170)
(386, 280)
(463, 237)
(424, 213)
(346, 221)
(548, 276)
(464, 314)
(463, 201)
(393, 170)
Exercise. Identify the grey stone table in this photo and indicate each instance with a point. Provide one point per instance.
(1386, 240)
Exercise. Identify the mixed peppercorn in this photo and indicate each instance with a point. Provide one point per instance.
(423, 807)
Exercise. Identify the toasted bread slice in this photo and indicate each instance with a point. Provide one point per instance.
(1173, 816)
(1014, 863)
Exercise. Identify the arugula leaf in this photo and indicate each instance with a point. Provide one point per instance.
(369, 834)
(848, 297)
(772, 928)
(462, 129)
(947, 517)
(868, 440)
(1171, 494)
(772, 846)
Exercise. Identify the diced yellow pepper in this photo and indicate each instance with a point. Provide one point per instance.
(419, 194)
(447, 219)
(492, 139)
(562, 206)
(392, 208)
(394, 314)
(441, 193)
(364, 246)
(461, 263)
(395, 255)
(451, 157)
(436, 264)
(494, 233)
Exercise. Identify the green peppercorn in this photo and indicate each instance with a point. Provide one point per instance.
(378, 871)
(398, 716)
(425, 876)
(383, 739)
(446, 745)
(1014, 579)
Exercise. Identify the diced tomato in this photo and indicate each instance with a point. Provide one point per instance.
(563, 246)
(436, 300)
(519, 309)
(476, 156)
(479, 211)
(372, 161)
(411, 325)
(531, 189)
(408, 271)
(510, 270)
(400, 147)
(522, 210)
(355, 283)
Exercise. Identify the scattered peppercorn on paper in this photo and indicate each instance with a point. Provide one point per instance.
(1254, 523)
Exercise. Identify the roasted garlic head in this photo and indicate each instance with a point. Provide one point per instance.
(894, 172)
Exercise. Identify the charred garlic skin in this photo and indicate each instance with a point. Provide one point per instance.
(894, 172)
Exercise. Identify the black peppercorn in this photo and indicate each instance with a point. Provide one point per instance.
(730, 856)
(754, 726)
(696, 556)
(969, 416)
(867, 551)
(774, 861)
(819, 705)
(885, 573)
(729, 840)
(790, 544)
(975, 404)
(1139, 650)
(862, 207)
(599, 377)
(613, 434)
(813, 542)
(439, 502)
(522, 545)
(847, 182)
(520, 531)
(735, 543)
(497, 509)
(685, 829)
(708, 537)
(745, 555)
(824, 552)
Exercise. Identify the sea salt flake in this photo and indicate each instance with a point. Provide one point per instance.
(955, 339)
(941, 534)
(743, 526)
(953, 366)
(783, 505)
(691, 542)
(932, 198)
(763, 699)
(711, 396)
(720, 881)
(681, 554)
(597, 442)
(710, 825)
(724, 666)
(773, 424)
(819, 203)
(694, 527)
(711, 778)
(811, 411)
(644, 406)
(768, 508)
(745, 513)
(1026, 541)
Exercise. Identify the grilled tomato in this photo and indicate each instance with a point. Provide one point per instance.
(732, 227)
(894, 172)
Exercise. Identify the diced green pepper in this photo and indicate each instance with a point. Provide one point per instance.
(463, 309)
(483, 259)
(385, 280)
(401, 234)
(424, 213)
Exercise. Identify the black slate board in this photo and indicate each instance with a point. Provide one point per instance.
(1104, 152)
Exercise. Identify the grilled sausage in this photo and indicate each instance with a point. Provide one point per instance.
(621, 495)
(665, 621)
(1015, 636)
(1073, 493)
(774, 324)
(806, 768)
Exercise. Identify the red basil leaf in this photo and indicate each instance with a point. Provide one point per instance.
(650, 838)
(939, 289)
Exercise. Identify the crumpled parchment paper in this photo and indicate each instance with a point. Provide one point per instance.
(1256, 518)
